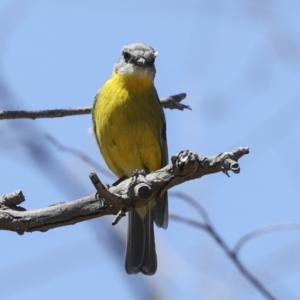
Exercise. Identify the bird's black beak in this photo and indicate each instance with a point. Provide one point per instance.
(141, 61)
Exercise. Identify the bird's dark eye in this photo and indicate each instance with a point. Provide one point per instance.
(126, 56)
(151, 61)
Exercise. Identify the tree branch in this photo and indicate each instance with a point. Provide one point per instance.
(48, 113)
(231, 253)
(171, 102)
(174, 102)
(208, 227)
(263, 230)
(125, 196)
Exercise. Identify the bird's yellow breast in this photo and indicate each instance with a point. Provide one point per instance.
(128, 121)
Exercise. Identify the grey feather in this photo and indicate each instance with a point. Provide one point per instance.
(140, 251)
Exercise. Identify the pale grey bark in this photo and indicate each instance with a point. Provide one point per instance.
(115, 200)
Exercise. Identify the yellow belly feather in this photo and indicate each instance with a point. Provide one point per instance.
(129, 124)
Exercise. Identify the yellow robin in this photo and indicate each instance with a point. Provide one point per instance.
(130, 128)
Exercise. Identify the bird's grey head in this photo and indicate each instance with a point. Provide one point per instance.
(137, 59)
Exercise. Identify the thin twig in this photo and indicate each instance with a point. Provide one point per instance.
(174, 102)
(103, 192)
(49, 113)
(171, 102)
(187, 221)
(260, 287)
(262, 230)
(192, 202)
(79, 154)
(210, 230)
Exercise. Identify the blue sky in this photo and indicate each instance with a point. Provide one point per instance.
(238, 62)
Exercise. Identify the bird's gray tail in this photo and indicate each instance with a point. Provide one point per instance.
(140, 250)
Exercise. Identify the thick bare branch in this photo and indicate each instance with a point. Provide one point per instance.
(128, 194)
(171, 102)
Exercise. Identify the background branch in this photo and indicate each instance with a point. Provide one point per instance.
(112, 200)
(79, 154)
(207, 226)
(230, 253)
(263, 230)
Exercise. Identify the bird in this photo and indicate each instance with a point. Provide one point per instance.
(130, 129)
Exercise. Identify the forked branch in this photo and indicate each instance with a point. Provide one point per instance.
(115, 200)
